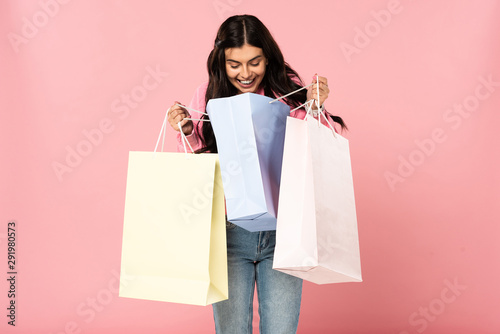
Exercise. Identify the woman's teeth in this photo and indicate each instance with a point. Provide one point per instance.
(246, 82)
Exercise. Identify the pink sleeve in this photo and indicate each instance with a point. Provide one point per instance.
(197, 103)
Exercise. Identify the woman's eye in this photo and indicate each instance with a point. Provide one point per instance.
(256, 64)
(234, 66)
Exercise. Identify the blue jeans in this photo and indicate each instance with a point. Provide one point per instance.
(250, 261)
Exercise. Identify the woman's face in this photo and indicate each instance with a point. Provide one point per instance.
(245, 67)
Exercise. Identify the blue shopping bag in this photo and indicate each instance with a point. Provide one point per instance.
(250, 134)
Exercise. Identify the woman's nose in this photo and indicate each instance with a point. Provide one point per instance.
(245, 72)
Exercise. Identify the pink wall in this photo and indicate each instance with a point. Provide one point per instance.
(409, 77)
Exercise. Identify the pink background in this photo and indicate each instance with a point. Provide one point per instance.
(426, 174)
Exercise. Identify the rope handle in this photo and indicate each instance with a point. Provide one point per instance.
(163, 130)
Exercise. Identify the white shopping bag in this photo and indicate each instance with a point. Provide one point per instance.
(317, 235)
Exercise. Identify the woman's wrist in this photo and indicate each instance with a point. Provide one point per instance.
(315, 111)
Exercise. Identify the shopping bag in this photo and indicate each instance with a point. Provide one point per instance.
(317, 234)
(250, 133)
(174, 232)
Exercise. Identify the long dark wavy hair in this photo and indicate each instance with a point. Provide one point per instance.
(279, 79)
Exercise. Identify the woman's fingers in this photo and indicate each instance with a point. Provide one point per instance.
(322, 80)
(183, 123)
(324, 91)
(177, 114)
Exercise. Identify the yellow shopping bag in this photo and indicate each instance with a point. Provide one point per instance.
(174, 232)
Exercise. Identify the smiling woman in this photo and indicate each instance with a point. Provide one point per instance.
(247, 59)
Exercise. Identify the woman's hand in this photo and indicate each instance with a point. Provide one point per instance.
(312, 92)
(176, 115)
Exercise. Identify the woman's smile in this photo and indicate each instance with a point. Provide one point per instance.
(246, 83)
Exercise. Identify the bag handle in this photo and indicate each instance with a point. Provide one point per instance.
(163, 130)
(295, 91)
(184, 140)
(183, 136)
(321, 113)
(308, 104)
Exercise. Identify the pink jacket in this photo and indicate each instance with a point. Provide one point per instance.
(198, 103)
